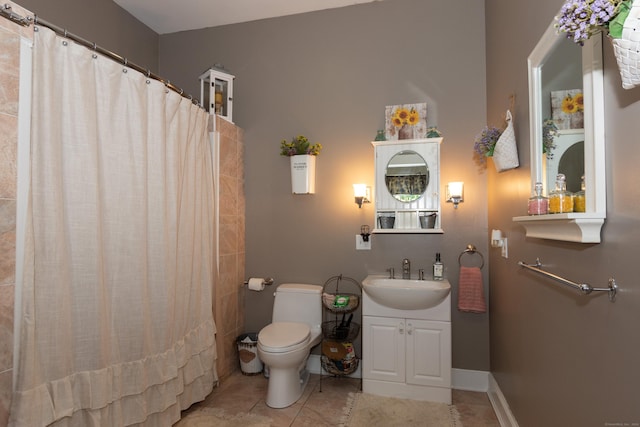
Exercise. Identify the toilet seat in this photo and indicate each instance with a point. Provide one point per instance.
(282, 337)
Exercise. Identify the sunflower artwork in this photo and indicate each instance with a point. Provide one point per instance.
(567, 109)
(406, 121)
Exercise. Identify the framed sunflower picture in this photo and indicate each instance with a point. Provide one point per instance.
(406, 121)
(567, 109)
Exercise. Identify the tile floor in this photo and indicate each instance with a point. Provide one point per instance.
(241, 393)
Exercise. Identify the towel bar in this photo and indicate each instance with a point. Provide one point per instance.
(471, 250)
(585, 288)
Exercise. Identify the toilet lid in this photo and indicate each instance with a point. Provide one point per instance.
(279, 337)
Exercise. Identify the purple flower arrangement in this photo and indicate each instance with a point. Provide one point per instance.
(581, 19)
(486, 142)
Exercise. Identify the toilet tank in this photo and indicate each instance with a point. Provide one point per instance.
(296, 302)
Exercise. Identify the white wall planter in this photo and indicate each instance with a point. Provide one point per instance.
(303, 174)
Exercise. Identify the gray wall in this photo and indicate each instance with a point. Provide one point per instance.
(329, 75)
(560, 358)
(104, 23)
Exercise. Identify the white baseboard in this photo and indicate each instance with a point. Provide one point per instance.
(500, 405)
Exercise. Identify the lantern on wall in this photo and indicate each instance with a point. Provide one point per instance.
(216, 92)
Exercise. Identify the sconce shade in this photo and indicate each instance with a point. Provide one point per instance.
(361, 193)
(360, 190)
(455, 193)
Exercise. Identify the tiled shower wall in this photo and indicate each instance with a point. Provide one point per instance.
(229, 291)
(10, 35)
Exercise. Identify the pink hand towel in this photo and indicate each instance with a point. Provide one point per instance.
(470, 291)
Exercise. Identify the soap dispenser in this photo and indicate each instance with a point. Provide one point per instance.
(438, 268)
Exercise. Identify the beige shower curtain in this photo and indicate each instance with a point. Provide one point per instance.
(116, 318)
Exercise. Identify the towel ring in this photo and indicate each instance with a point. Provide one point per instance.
(471, 250)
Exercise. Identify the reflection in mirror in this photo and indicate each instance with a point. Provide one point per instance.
(407, 176)
(566, 158)
(563, 102)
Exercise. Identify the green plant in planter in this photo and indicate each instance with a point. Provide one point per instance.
(299, 145)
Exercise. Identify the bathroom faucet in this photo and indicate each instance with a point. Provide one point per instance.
(406, 269)
(392, 273)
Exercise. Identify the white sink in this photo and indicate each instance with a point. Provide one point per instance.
(406, 294)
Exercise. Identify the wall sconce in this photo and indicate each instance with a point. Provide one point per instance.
(362, 194)
(455, 191)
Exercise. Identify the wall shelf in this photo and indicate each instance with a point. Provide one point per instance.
(569, 227)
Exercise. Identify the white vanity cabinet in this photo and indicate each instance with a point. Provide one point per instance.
(407, 186)
(407, 353)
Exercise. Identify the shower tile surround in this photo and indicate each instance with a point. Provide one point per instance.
(229, 291)
(10, 34)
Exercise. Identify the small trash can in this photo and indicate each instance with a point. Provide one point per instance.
(250, 363)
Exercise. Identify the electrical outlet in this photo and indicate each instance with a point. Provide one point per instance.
(361, 245)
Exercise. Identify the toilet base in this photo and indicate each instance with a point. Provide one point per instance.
(285, 386)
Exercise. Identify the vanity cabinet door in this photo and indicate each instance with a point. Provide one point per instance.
(383, 341)
(428, 357)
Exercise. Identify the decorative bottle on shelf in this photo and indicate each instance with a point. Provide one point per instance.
(579, 201)
(438, 268)
(538, 204)
(560, 200)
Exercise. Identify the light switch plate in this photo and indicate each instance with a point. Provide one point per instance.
(361, 245)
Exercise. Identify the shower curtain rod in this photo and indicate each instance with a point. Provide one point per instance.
(6, 12)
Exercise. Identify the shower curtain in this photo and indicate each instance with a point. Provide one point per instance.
(116, 314)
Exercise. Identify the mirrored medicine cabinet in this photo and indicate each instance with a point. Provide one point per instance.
(407, 183)
(557, 66)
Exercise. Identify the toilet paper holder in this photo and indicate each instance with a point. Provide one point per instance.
(267, 281)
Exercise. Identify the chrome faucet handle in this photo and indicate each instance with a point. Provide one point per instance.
(406, 268)
(392, 273)
(421, 274)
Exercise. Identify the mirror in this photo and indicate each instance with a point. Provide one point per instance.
(407, 176)
(561, 72)
(561, 90)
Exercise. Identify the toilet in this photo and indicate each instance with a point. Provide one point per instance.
(285, 344)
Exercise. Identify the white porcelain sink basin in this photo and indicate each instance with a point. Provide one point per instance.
(406, 294)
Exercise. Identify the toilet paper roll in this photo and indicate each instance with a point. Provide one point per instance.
(256, 284)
